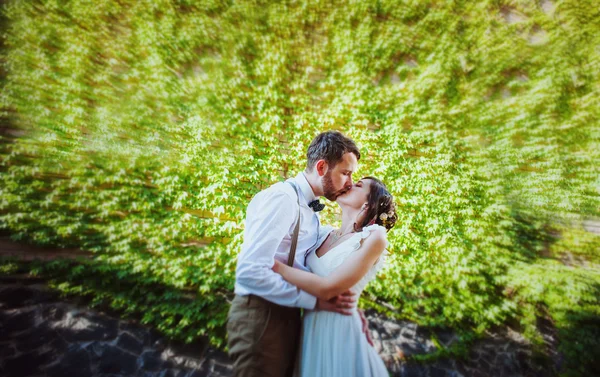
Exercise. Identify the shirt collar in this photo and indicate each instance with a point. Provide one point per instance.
(307, 191)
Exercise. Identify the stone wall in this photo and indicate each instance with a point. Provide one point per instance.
(502, 353)
(42, 334)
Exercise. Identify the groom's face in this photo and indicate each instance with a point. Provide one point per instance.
(338, 180)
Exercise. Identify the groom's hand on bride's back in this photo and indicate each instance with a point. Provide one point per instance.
(342, 304)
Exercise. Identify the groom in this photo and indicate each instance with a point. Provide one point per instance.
(264, 320)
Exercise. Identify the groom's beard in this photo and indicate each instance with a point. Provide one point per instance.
(329, 191)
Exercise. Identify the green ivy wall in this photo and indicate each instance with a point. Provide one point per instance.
(141, 130)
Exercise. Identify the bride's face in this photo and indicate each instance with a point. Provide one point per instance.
(356, 197)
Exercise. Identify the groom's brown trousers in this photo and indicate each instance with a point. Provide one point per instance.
(263, 337)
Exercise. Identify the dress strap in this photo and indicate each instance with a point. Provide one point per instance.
(367, 230)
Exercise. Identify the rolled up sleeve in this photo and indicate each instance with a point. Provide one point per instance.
(269, 218)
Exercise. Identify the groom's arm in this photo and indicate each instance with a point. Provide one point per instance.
(269, 219)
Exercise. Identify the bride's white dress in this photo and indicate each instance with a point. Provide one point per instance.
(333, 345)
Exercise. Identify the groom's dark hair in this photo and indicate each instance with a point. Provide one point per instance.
(331, 147)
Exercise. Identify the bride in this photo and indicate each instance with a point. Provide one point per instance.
(333, 344)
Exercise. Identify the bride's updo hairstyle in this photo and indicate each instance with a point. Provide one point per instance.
(381, 209)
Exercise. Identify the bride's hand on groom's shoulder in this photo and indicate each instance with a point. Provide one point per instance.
(342, 304)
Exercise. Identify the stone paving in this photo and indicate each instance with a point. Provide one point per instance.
(44, 335)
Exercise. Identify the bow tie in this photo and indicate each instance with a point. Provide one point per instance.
(316, 205)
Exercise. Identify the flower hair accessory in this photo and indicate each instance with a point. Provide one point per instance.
(384, 216)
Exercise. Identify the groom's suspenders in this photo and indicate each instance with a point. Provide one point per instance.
(296, 231)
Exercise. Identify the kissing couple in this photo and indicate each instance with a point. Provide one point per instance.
(297, 282)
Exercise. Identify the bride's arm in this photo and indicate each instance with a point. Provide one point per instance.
(342, 278)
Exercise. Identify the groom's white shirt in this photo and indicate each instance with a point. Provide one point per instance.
(269, 227)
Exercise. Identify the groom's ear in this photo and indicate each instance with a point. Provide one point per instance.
(321, 167)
